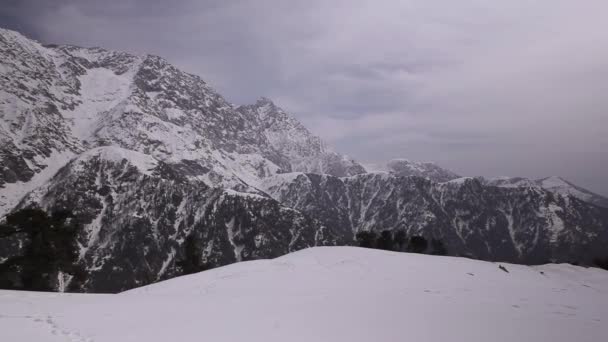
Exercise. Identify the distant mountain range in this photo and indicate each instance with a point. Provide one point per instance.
(147, 155)
(435, 173)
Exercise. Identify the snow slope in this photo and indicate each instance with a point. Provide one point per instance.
(330, 294)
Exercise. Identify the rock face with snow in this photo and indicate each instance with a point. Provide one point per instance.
(526, 225)
(146, 155)
(59, 101)
(405, 168)
(305, 151)
(432, 171)
(137, 212)
(565, 188)
(554, 184)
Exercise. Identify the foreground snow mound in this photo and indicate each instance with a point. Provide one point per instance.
(330, 294)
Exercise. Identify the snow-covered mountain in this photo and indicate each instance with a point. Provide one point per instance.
(137, 212)
(405, 167)
(330, 294)
(554, 184)
(305, 151)
(59, 101)
(147, 155)
(529, 225)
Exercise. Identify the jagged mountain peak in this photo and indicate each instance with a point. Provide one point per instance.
(17, 38)
(271, 115)
(306, 151)
(65, 99)
(264, 101)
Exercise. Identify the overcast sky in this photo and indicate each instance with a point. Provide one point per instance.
(486, 88)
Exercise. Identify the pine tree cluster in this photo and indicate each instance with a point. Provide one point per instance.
(399, 242)
(49, 251)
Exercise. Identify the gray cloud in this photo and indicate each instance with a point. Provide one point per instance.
(484, 88)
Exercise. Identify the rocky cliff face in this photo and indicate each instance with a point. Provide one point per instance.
(554, 184)
(147, 155)
(59, 101)
(137, 212)
(526, 225)
(305, 151)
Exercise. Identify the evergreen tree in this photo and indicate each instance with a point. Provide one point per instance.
(366, 239)
(417, 244)
(438, 248)
(601, 262)
(192, 261)
(385, 241)
(400, 239)
(50, 247)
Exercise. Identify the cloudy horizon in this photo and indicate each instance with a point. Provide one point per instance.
(484, 89)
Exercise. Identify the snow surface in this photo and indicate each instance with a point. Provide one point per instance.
(101, 90)
(330, 294)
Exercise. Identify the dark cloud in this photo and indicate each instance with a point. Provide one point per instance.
(485, 88)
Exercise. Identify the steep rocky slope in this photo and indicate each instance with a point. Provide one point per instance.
(529, 225)
(554, 184)
(137, 211)
(59, 101)
(305, 151)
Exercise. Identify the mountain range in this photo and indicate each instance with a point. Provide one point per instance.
(147, 155)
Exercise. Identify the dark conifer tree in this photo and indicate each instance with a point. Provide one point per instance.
(601, 262)
(417, 244)
(385, 241)
(192, 261)
(366, 239)
(438, 248)
(400, 239)
(50, 247)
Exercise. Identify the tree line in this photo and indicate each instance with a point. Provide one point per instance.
(42, 248)
(46, 250)
(398, 241)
